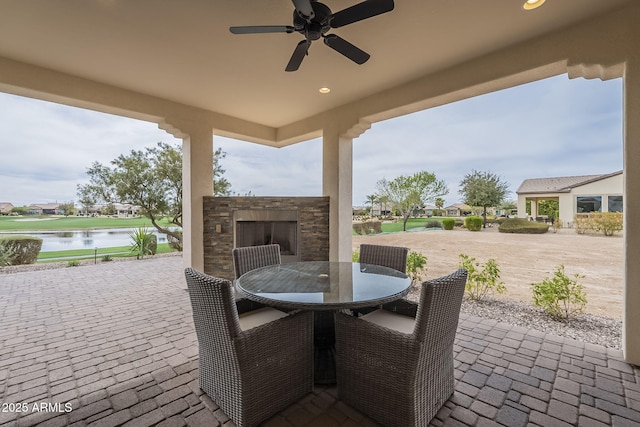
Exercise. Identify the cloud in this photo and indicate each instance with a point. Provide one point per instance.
(553, 127)
(47, 147)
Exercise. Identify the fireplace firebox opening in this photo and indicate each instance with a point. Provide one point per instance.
(254, 227)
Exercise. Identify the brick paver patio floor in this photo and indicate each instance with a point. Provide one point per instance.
(115, 342)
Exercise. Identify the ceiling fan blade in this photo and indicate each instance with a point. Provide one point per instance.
(360, 11)
(304, 9)
(342, 46)
(258, 29)
(298, 55)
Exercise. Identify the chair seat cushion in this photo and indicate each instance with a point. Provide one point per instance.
(390, 320)
(258, 317)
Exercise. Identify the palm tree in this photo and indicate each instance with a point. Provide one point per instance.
(383, 200)
(371, 199)
(439, 204)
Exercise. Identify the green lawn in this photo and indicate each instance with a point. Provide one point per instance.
(411, 223)
(395, 227)
(34, 223)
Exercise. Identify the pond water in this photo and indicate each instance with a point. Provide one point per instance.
(85, 239)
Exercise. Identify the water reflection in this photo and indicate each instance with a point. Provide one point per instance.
(84, 239)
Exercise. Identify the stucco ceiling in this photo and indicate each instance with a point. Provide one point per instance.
(183, 50)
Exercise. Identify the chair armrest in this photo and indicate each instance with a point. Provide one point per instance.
(402, 306)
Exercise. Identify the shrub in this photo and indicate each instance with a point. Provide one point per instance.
(107, 258)
(607, 222)
(73, 263)
(433, 224)
(448, 223)
(23, 249)
(482, 278)
(560, 296)
(153, 245)
(581, 223)
(367, 227)
(142, 242)
(355, 256)
(523, 226)
(6, 256)
(473, 223)
(175, 244)
(416, 263)
(557, 225)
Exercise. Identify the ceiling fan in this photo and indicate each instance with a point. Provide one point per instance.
(313, 20)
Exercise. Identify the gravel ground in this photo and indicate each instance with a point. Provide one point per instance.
(586, 327)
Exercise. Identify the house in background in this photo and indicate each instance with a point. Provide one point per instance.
(457, 209)
(45, 209)
(575, 194)
(5, 208)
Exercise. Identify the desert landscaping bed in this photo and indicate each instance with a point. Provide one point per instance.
(524, 259)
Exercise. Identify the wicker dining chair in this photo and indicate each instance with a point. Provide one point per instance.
(254, 364)
(387, 256)
(396, 364)
(251, 257)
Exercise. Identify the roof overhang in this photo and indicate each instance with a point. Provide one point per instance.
(176, 63)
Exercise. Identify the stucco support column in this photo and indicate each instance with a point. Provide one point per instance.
(534, 208)
(631, 200)
(197, 176)
(337, 183)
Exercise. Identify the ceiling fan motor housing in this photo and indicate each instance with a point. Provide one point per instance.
(318, 25)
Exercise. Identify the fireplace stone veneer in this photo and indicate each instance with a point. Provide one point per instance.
(219, 229)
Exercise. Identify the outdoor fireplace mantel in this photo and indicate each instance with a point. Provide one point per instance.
(264, 220)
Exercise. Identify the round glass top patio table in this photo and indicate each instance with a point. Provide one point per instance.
(323, 285)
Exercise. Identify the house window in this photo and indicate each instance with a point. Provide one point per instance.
(586, 204)
(615, 203)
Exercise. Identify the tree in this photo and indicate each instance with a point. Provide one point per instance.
(371, 199)
(86, 198)
(408, 193)
(483, 189)
(67, 207)
(439, 205)
(509, 206)
(151, 179)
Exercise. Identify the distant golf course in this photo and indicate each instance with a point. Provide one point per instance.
(40, 224)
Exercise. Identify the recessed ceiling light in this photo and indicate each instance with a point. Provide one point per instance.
(324, 90)
(532, 4)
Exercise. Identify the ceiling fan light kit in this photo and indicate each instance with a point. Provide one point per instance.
(314, 20)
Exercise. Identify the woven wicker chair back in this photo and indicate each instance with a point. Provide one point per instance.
(387, 256)
(251, 257)
(213, 304)
(439, 310)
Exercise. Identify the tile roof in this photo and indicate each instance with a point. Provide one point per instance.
(562, 184)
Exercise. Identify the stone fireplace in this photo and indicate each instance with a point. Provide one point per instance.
(300, 225)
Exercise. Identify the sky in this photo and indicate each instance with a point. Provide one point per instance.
(550, 128)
